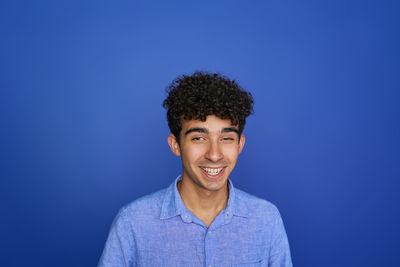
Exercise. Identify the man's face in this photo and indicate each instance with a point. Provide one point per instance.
(209, 151)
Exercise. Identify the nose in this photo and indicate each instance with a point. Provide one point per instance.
(214, 152)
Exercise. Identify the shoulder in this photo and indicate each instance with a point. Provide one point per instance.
(146, 206)
(254, 206)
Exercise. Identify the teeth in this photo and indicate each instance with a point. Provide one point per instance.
(213, 171)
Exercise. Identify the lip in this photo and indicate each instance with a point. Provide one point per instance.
(213, 177)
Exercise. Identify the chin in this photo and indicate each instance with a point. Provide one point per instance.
(215, 185)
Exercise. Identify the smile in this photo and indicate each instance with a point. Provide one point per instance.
(212, 171)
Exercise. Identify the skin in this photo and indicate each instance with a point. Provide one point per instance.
(212, 144)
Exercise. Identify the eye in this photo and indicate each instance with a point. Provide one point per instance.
(198, 138)
(228, 139)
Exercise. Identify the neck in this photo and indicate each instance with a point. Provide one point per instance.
(203, 203)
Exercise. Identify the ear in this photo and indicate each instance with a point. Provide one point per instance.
(241, 142)
(174, 145)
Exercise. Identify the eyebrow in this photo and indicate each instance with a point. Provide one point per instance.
(230, 129)
(197, 130)
(204, 130)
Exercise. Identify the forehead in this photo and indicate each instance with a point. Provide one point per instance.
(212, 124)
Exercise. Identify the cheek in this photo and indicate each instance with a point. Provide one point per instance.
(191, 154)
(231, 152)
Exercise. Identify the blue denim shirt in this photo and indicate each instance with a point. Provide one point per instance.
(158, 230)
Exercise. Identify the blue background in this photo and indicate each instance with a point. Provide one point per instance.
(83, 131)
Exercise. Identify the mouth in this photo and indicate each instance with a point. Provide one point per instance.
(213, 172)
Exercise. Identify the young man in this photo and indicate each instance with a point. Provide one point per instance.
(201, 219)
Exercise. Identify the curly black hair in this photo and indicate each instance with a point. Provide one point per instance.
(203, 94)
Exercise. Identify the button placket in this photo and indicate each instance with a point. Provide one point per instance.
(209, 247)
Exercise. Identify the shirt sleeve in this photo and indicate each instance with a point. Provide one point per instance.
(120, 247)
(279, 251)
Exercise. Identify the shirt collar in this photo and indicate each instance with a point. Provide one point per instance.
(173, 205)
